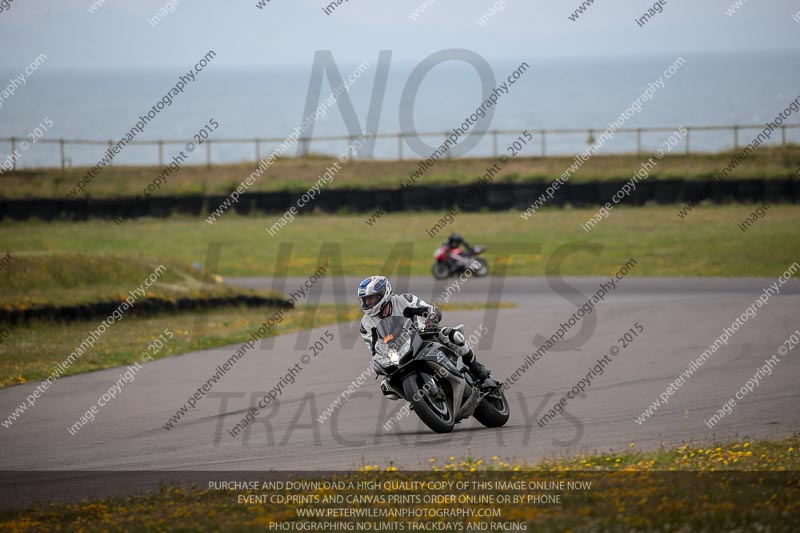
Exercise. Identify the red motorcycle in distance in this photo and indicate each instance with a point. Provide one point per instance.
(452, 261)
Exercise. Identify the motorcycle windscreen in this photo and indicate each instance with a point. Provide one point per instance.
(394, 332)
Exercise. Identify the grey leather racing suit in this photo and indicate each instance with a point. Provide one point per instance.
(399, 303)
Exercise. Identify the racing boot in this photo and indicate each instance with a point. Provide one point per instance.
(480, 372)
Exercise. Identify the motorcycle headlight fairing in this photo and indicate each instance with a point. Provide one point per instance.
(403, 350)
(382, 355)
(386, 355)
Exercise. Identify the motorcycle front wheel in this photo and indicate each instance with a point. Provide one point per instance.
(441, 270)
(434, 410)
(482, 268)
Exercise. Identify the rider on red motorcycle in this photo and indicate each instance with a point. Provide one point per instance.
(454, 242)
(456, 256)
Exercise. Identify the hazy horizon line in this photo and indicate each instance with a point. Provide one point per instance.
(413, 62)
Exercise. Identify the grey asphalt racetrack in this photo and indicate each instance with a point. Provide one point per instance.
(680, 317)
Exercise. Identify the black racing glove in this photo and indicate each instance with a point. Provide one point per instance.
(430, 315)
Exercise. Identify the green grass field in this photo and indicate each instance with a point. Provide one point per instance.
(299, 174)
(629, 492)
(707, 243)
(37, 278)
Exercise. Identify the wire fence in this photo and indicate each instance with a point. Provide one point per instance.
(726, 137)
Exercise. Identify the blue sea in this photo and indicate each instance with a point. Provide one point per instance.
(722, 89)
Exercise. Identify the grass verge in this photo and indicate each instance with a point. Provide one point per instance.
(39, 278)
(720, 487)
(708, 243)
(297, 175)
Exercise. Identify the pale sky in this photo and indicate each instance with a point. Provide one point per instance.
(289, 31)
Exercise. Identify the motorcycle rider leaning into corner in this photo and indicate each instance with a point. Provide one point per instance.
(455, 241)
(378, 302)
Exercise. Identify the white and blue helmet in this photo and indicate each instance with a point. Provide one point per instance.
(374, 292)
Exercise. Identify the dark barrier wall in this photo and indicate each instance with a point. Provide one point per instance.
(149, 306)
(494, 196)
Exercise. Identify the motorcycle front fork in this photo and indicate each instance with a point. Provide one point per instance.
(388, 392)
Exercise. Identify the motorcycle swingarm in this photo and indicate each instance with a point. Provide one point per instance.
(472, 403)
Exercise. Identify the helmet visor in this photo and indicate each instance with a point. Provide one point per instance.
(368, 302)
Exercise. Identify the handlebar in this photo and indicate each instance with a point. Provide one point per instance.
(409, 313)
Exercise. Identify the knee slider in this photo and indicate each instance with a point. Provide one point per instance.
(456, 337)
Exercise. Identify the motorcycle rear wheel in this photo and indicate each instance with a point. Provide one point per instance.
(493, 411)
(441, 271)
(437, 415)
